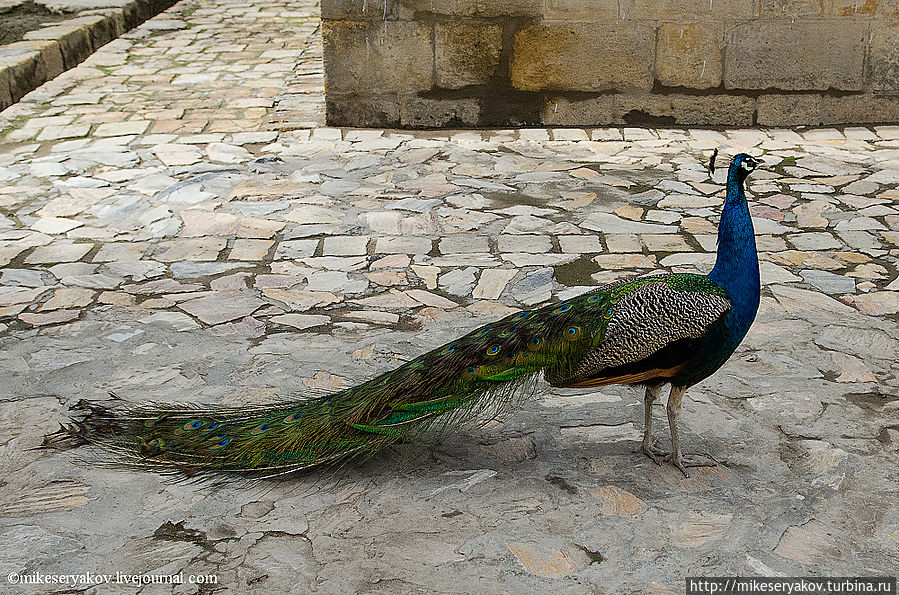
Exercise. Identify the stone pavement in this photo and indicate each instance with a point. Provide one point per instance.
(175, 225)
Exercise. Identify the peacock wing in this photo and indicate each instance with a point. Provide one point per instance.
(648, 334)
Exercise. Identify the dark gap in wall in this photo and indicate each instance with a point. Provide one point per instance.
(501, 104)
(660, 89)
(637, 117)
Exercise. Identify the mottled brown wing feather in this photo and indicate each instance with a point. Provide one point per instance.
(644, 322)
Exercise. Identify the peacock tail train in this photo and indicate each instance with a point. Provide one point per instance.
(467, 378)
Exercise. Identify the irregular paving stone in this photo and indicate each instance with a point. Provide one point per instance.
(250, 250)
(458, 281)
(225, 153)
(619, 502)
(122, 251)
(200, 249)
(491, 283)
(547, 562)
(177, 154)
(345, 246)
(55, 225)
(810, 545)
(59, 253)
(403, 245)
(430, 299)
(335, 281)
(610, 224)
(301, 321)
(524, 243)
(192, 270)
(828, 282)
(700, 528)
(536, 287)
(580, 244)
(625, 261)
(813, 241)
(48, 318)
(373, 316)
(852, 369)
(463, 244)
(390, 300)
(299, 300)
(203, 223)
(800, 301)
(879, 303)
(222, 306)
(307, 214)
(292, 249)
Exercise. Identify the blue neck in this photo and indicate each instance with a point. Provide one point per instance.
(737, 266)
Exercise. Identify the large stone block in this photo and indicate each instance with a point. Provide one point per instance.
(855, 8)
(796, 56)
(790, 110)
(583, 56)
(379, 111)
(74, 41)
(101, 29)
(827, 110)
(381, 57)
(686, 110)
(645, 109)
(889, 9)
(135, 13)
(860, 109)
(363, 10)
(581, 10)
(49, 50)
(885, 57)
(666, 10)
(477, 8)
(595, 111)
(689, 55)
(5, 93)
(419, 112)
(115, 24)
(466, 53)
(25, 71)
(794, 8)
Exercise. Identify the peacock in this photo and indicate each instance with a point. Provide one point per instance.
(672, 329)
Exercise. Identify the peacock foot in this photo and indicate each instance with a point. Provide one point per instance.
(692, 460)
(654, 452)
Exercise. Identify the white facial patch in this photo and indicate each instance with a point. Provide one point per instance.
(747, 166)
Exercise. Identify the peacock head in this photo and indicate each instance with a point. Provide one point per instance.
(742, 164)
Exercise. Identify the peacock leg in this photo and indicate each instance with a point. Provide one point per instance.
(649, 448)
(676, 457)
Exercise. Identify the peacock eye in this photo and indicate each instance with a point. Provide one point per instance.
(493, 350)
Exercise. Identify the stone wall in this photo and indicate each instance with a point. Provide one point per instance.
(455, 63)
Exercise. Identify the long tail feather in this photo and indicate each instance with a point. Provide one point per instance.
(471, 377)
